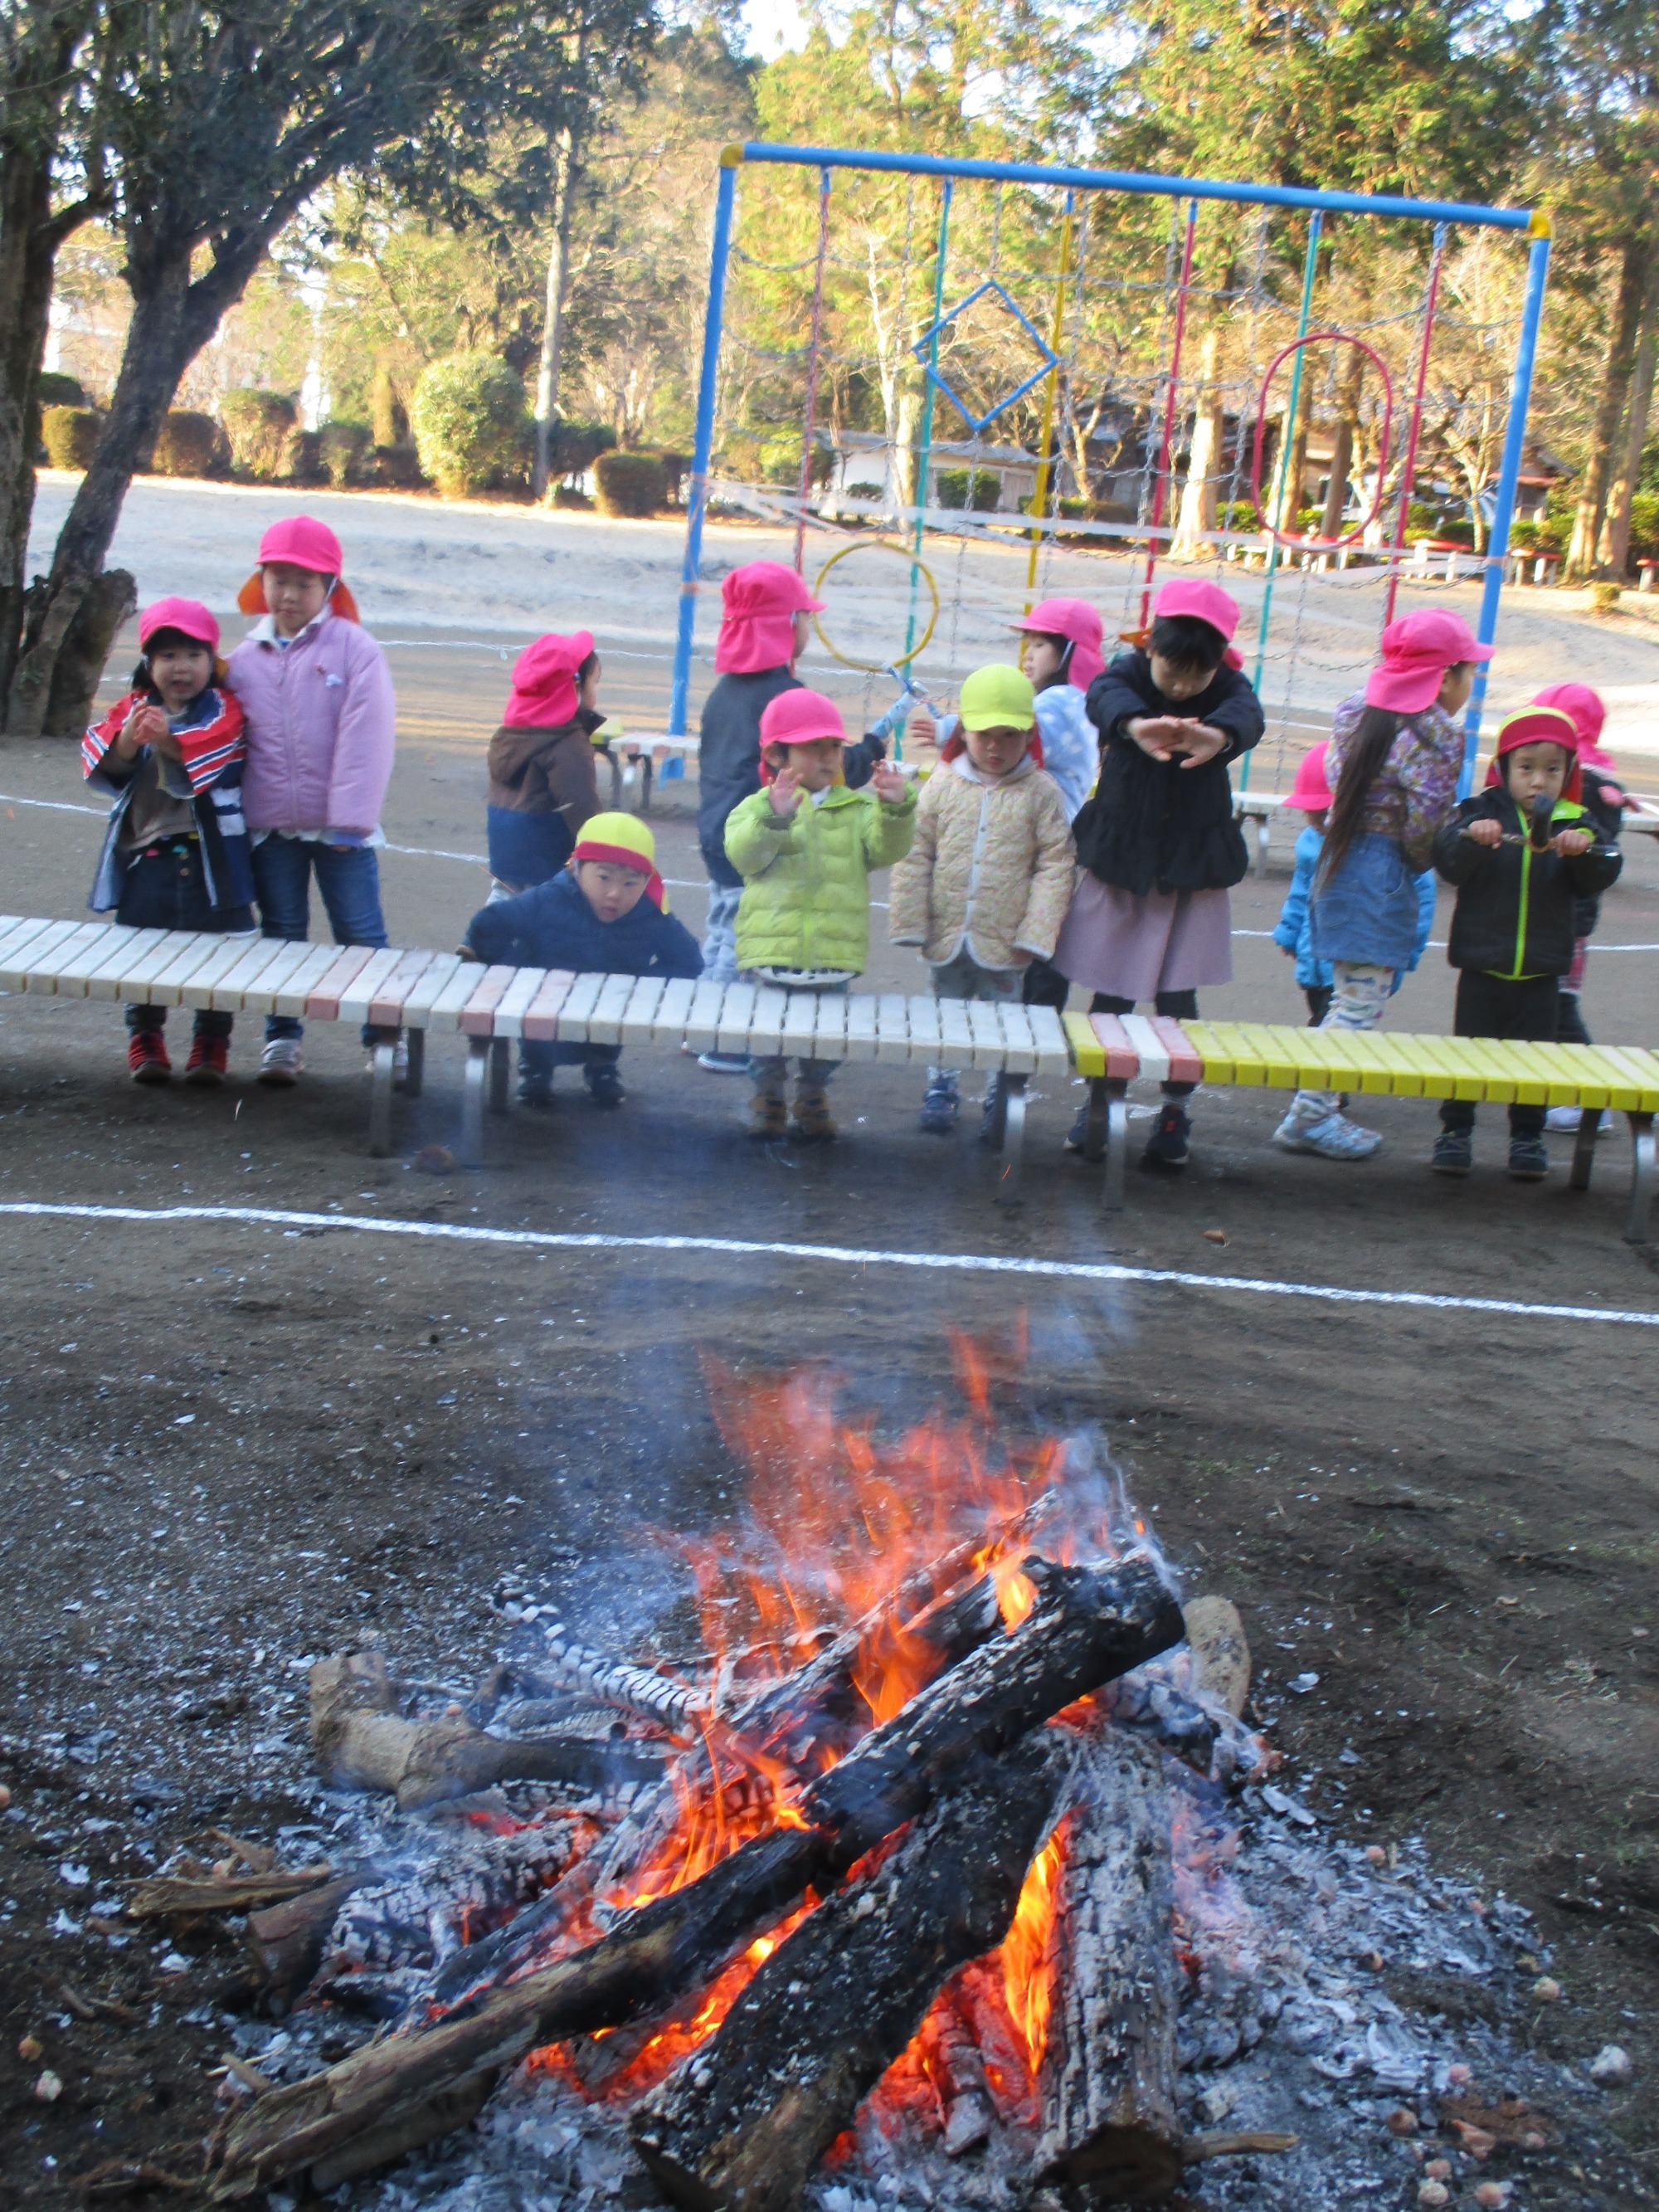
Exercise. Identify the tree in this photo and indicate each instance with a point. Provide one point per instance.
(222, 126)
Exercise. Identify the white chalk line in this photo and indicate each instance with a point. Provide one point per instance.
(968, 1263)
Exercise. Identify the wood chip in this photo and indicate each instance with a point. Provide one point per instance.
(171, 1897)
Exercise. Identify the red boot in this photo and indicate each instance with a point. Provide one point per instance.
(147, 1057)
(207, 1062)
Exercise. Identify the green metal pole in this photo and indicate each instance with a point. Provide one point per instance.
(1308, 267)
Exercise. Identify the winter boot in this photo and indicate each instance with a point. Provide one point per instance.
(939, 1104)
(811, 1121)
(768, 1111)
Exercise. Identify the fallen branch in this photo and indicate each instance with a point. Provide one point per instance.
(171, 1897)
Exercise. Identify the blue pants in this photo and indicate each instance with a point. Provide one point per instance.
(538, 1058)
(165, 888)
(349, 878)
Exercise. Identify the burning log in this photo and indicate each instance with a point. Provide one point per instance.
(288, 1939)
(1108, 2071)
(955, 2066)
(1087, 1626)
(363, 1742)
(742, 2123)
(636, 1690)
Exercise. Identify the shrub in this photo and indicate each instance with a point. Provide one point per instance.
(257, 423)
(629, 484)
(1524, 538)
(865, 491)
(576, 445)
(564, 495)
(397, 466)
(977, 489)
(186, 445)
(56, 390)
(468, 416)
(300, 460)
(674, 466)
(340, 447)
(1458, 532)
(1604, 598)
(70, 435)
(1553, 531)
(1645, 526)
(1238, 514)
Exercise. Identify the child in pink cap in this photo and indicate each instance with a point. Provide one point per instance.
(321, 732)
(543, 782)
(1604, 801)
(1157, 845)
(176, 851)
(804, 846)
(1396, 751)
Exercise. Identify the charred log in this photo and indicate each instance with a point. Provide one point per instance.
(288, 1939)
(740, 2125)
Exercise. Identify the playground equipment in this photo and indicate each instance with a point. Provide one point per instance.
(1033, 303)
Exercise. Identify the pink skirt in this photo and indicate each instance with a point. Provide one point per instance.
(1133, 947)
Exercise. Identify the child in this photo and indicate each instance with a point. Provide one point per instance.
(1395, 756)
(1605, 802)
(321, 731)
(606, 914)
(542, 786)
(985, 886)
(804, 846)
(1310, 795)
(1521, 855)
(1158, 844)
(176, 851)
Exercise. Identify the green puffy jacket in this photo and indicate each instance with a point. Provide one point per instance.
(806, 880)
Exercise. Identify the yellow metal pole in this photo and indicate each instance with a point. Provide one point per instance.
(1040, 492)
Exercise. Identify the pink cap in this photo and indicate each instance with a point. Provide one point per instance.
(544, 682)
(1207, 603)
(188, 615)
(1588, 716)
(1310, 794)
(1076, 620)
(800, 718)
(759, 604)
(1416, 650)
(305, 543)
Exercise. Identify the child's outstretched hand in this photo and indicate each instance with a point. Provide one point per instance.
(1201, 743)
(921, 729)
(784, 791)
(1160, 736)
(888, 784)
(1569, 842)
(1483, 833)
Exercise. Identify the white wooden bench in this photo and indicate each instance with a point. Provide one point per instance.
(1261, 807)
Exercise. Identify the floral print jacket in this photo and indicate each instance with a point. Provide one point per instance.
(1416, 787)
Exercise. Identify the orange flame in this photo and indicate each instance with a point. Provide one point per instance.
(1027, 1966)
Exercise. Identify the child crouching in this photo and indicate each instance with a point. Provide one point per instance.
(606, 914)
(985, 886)
(805, 845)
(176, 854)
(1522, 856)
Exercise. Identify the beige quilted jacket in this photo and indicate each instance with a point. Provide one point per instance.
(990, 871)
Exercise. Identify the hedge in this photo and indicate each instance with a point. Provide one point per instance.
(56, 390)
(257, 424)
(186, 445)
(340, 447)
(629, 484)
(978, 490)
(70, 435)
(577, 446)
(468, 415)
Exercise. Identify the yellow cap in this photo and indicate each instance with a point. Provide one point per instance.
(997, 698)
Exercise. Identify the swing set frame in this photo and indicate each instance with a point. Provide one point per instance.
(1533, 224)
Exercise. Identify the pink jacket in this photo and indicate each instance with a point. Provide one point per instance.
(321, 729)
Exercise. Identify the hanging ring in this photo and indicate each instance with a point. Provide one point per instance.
(917, 566)
(1288, 537)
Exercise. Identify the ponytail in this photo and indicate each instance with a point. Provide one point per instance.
(1363, 762)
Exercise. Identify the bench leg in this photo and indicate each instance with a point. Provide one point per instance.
(380, 1099)
(1638, 1228)
(415, 1040)
(472, 1102)
(1263, 843)
(1094, 1129)
(500, 1070)
(1117, 1145)
(647, 769)
(1583, 1151)
(1011, 1119)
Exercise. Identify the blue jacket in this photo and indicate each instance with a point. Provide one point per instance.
(552, 926)
(209, 779)
(1296, 935)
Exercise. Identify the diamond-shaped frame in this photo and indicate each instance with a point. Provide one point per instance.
(1050, 359)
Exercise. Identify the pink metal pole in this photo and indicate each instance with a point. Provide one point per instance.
(1165, 459)
(811, 423)
(1409, 469)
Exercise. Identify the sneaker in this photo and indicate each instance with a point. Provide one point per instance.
(536, 1090)
(604, 1083)
(1453, 1153)
(1331, 1139)
(1167, 1146)
(769, 1115)
(147, 1057)
(811, 1121)
(939, 1106)
(1564, 1120)
(209, 1056)
(724, 1063)
(1077, 1137)
(1529, 1159)
(280, 1063)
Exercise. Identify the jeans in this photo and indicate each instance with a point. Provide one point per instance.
(1525, 1009)
(961, 977)
(1360, 989)
(1179, 1006)
(165, 889)
(720, 944)
(538, 1058)
(349, 878)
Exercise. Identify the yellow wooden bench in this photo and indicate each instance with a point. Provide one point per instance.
(1111, 1053)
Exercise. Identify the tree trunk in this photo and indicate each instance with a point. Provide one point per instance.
(558, 267)
(1633, 269)
(743, 2122)
(1198, 494)
(1614, 549)
(907, 459)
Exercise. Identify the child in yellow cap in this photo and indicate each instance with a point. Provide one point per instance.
(606, 914)
(986, 883)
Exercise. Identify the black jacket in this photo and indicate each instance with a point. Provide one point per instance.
(1604, 802)
(728, 758)
(552, 926)
(1514, 914)
(1154, 825)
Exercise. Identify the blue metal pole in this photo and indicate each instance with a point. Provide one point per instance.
(703, 445)
(1134, 180)
(1509, 478)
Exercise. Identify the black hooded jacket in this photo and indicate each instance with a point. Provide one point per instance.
(1154, 825)
(1514, 916)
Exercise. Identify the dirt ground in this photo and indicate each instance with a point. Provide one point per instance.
(231, 1445)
